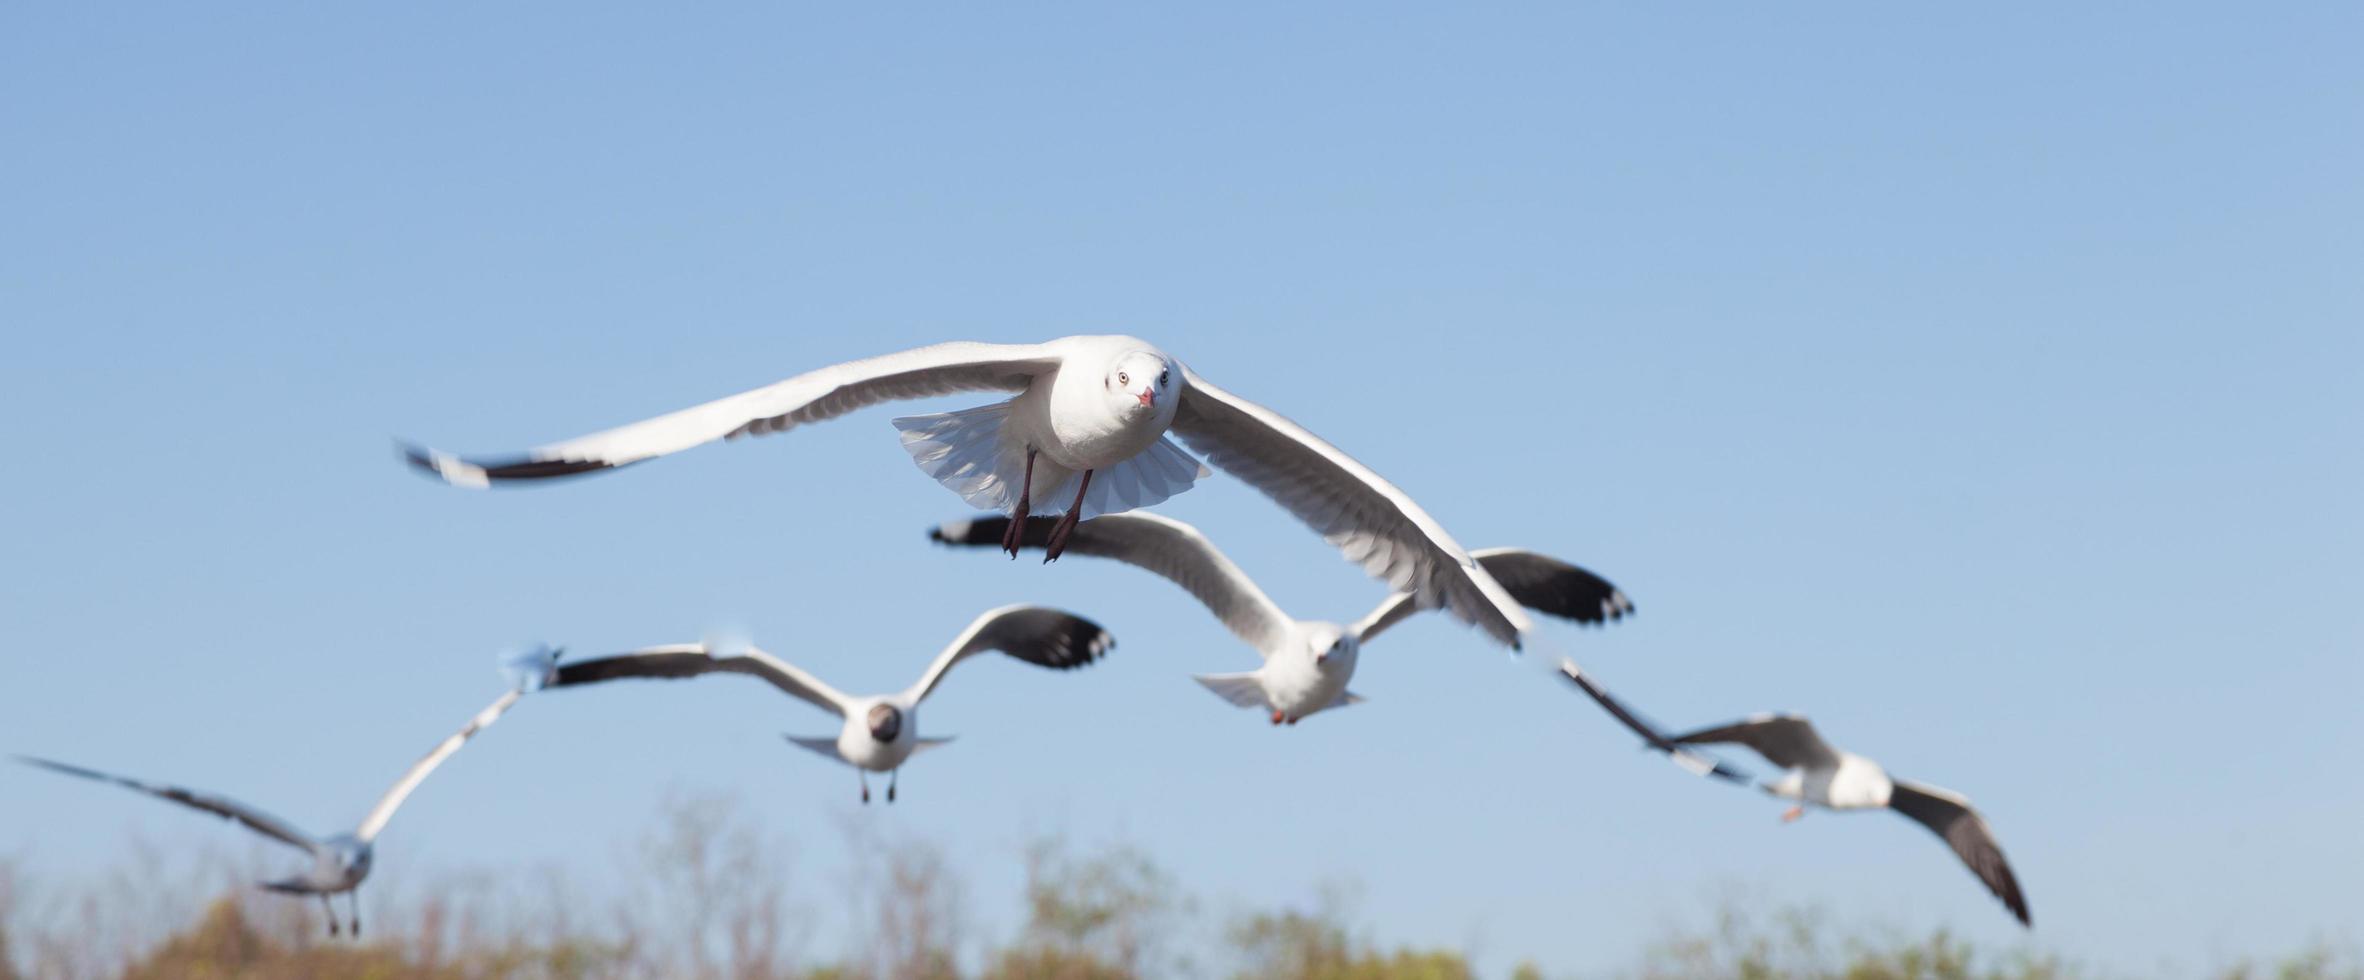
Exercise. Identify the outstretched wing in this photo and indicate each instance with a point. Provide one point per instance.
(1161, 546)
(1538, 581)
(1039, 635)
(697, 659)
(1949, 815)
(255, 820)
(1375, 524)
(1788, 741)
(384, 811)
(1689, 761)
(832, 391)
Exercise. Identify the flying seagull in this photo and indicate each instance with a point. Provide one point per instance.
(1823, 775)
(1307, 663)
(340, 861)
(1087, 425)
(880, 731)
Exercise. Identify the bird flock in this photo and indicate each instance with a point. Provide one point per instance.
(1084, 435)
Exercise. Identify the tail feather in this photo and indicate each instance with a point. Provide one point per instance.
(1147, 479)
(1244, 690)
(965, 452)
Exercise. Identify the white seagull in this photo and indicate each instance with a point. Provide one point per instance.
(1823, 775)
(339, 861)
(880, 731)
(1307, 663)
(1087, 425)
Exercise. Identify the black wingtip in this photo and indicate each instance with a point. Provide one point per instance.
(416, 455)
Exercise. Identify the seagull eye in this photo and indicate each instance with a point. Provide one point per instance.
(1161, 378)
(1123, 378)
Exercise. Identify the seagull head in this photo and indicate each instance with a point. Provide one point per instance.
(885, 721)
(1331, 645)
(348, 856)
(1143, 383)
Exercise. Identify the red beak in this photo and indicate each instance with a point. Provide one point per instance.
(1148, 396)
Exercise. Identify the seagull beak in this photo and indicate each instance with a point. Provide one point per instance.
(1320, 659)
(1148, 397)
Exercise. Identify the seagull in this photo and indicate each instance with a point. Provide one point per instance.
(340, 861)
(1088, 425)
(1826, 776)
(880, 731)
(1307, 663)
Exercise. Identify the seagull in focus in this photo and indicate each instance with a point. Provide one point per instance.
(1820, 774)
(880, 731)
(1307, 663)
(1088, 425)
(339, 861)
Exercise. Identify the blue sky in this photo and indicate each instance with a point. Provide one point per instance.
(1983, 383)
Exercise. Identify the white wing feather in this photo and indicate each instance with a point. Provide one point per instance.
(1377, 525)
(384, 811)
(941, 369)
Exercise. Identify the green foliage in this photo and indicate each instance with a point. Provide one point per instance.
(1797, 945)
(2322, 962)
(712, 906)
(1315, 946)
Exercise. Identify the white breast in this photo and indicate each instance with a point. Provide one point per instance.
(1298, 688)
(1857, 784)
(855, 745)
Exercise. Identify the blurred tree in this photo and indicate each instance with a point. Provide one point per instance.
(2322, 962)
(723, 885)
(1315, 946)
(1091, 919)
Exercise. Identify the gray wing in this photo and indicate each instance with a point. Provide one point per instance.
(1039, 635)
(1949, 815)
(810, 397)
(1692, 762)
(1162, 546)
(695, 660)
(223, 806)
(1377, 525)
(1788, 741)
(1538, 581)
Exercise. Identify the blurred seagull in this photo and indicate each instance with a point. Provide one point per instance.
(1826, 776)
(340, 861)
(1307, 663)
(1087, 425)
(880, 731)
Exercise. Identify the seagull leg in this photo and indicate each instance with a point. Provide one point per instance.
(354, 897)
(891, 778)
(1017, 532)
(1792, 814)
(865, 778)
(1277, 717)
(329, 909)
(1058, 543)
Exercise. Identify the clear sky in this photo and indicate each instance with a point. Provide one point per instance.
(1983, 382)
